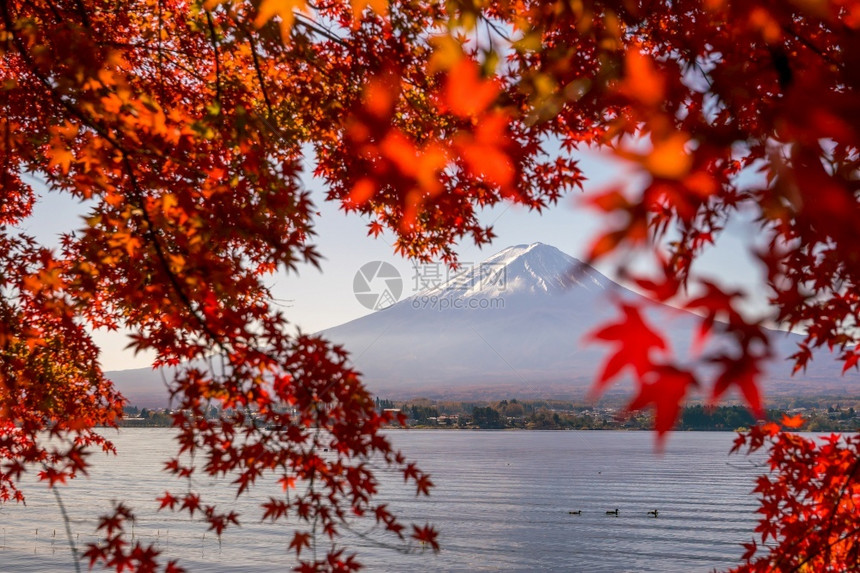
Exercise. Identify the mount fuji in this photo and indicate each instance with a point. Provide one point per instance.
(515, 326)
(512, 326)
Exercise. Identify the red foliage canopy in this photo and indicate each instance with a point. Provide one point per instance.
(182, 124)
(808, 502)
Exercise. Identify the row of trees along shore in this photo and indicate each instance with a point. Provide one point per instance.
(820, 416)
(184, 127)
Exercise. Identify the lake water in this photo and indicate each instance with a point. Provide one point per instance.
(501, 502)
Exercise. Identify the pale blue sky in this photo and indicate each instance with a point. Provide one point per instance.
(318, 299)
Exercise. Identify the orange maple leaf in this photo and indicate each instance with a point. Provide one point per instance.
(60, 156)
(358, 6)
(669, 159)
(283, 9)
(362, 191)
(642, 82)
(793, 422)
(467, 94)
(484, 153)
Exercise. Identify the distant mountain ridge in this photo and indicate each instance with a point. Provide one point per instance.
(513, 326)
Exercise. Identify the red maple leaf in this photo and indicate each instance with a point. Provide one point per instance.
(666, 392)
(634, 341)
(743, 373)
(167, 500)
(300, 540)
(426, 535)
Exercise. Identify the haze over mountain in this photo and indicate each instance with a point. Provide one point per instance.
(512, 326)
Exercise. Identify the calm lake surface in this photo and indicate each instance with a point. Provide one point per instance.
(501, 502)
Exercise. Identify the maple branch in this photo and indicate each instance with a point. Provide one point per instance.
(705, 75)
(67, 524)
(314, 27)
(315, 447)
(365, 536)
(815, 49)
(22, 51)
(160, 54)
(266, 121)
(496, 29)
(214, 39)
(58, 18)
(149, 232)
(784, 555)
(7, 147)
(181, 66)
(82, 12)
(258, 70)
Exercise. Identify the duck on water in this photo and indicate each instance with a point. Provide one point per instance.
(653, 513)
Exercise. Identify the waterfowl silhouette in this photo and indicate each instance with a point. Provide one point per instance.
(577, 512)
(654, 513)
(612, 512)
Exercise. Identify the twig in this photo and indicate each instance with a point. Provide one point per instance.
(68, 527)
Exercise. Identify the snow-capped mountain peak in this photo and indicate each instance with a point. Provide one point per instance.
(521, 269)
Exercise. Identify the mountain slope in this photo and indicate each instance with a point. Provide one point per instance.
(517, 324)
(500, 323)
(512, 326)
